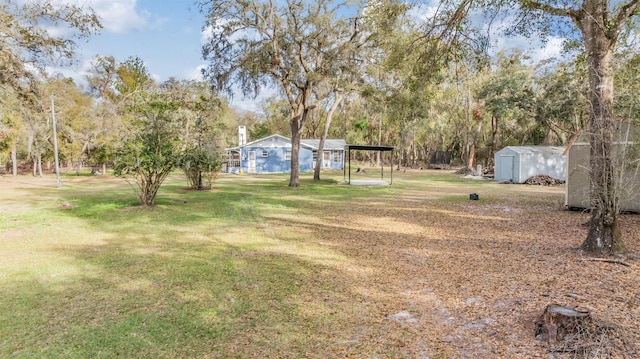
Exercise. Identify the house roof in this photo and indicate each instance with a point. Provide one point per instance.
(329, 144)
(277, 140)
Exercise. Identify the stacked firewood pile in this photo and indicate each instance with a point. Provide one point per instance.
(468, 171)
(464, 171)
(543, 180)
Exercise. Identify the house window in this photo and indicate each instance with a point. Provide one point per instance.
(287, 155)
(265, 153)
(234, 159)
(337, 156)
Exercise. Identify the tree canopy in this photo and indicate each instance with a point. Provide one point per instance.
(420, 78)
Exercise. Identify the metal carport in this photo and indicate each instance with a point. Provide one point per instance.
(349, 148)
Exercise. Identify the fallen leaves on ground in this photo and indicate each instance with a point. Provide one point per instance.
(468, 279)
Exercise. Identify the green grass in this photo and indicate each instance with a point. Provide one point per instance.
(85, 273)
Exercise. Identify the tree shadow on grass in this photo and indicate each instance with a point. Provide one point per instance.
(168, 299)
(267, 271)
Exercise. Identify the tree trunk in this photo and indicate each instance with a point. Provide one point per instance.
(150, 185)
(494, 135)
(414, 161)
(104, 169)
(296, 132)
(604, 235)
(79, 164)
(474, 144)
(14, 160)
(477, 116)
(472, 156)
(559, 324)
(325, 133)
(148, 195)
(39, 162)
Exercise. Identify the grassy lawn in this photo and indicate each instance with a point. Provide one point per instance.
(253, 268)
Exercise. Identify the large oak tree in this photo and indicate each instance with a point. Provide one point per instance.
(27, 41)
(28, 44)
(294, 46)
(600, 23)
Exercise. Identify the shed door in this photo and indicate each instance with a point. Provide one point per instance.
(505, 168)
(326, 159)
(251, 165)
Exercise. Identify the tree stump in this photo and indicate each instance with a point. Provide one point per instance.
(575, 331)
(559, 324)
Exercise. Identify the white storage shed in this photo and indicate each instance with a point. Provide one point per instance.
(518, 163)
(625, 151)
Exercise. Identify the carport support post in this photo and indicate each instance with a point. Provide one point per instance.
(349, 165)
(381, 168)
(391, 167)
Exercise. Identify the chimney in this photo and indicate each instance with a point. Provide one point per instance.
(242, 135)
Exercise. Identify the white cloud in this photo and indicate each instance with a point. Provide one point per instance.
(195, 73)
(77, 73)
(239, 102)
(238, 33)
(115, 15)
(551, 49)
(534, 48)
(206, 35)
(120, 15)
(423, 12)
(250, 104)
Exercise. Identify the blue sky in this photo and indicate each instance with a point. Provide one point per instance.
(167, 35)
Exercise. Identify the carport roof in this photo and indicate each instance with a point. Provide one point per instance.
(349, 148)
(368, 148)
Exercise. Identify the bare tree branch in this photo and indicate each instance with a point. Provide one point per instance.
(624, 13)
(575, 14)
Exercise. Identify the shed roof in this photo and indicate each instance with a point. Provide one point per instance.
(542, 150)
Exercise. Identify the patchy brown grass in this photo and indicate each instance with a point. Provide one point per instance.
(434, 275)
(415, 270)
